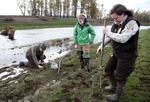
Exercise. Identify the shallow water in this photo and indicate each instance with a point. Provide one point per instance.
(12, 52)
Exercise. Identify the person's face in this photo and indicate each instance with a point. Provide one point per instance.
(80, 20)
(117, 18)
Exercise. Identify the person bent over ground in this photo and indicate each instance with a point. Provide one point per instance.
(9, 31)
(35, 56)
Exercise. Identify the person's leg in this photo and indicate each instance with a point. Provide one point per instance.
(86, 56)
(30, 62)
(22, 64)
(110, 72)
(80, 54)
(11, 36)
(123, 70)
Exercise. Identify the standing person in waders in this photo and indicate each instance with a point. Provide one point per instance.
(123, 37)
(84, 35)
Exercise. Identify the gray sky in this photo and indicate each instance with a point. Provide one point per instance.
(130, 4)
(9, 7)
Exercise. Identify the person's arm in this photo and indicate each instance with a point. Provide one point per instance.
(107, 40)
(130, 29)
(75, 34)
(92, 32)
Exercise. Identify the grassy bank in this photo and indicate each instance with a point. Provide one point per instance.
(51, 23)
(35, 23)
(74, 85)
(40, 24)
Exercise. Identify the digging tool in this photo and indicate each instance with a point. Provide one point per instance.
(101, 69)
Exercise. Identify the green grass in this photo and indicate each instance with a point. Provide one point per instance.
(40, 24)
(137, 88)
(76, 85)
(52, 23)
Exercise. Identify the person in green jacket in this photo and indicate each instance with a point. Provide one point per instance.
(84, 35)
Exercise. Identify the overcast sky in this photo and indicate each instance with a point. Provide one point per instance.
(9, 7)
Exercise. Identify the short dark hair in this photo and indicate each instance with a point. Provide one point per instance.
(120, 9)
(42, 46)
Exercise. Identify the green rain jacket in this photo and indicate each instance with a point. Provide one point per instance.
(84, 35)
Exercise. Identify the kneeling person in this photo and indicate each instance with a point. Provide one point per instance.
(35, 56)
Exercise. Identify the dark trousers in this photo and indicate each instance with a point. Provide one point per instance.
(31, 62)
(120, 68)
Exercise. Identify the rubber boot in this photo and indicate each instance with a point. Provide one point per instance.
(82, 62)
(112, 86)
(21, 64)
(80, 54)
(11, 36)
(87, 64)
(118, 94)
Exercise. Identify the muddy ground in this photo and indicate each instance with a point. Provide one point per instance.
(74, 85)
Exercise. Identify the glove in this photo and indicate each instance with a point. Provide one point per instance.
(105, 31)
(98, 50)
(40, 67)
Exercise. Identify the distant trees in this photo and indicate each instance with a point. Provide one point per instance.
(22, 6)
(74, 7)
(66, 8)
(59, 8)
(143, 16)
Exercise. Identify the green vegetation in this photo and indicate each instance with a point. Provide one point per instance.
(74, 85)
(52, 23)
(40, 24)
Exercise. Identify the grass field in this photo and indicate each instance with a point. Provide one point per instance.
(51, 23)
(74, 85)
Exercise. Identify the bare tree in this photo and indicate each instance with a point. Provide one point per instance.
(33, 7)
(58, 7)
(87, 8)
(142, 16)
(101, 11)
(46, 8)
(83, 5)
(66, 7)
(22, 6)
(74, 6)
(40, 7)
(93, 9)
(34, 10)
(51, 2)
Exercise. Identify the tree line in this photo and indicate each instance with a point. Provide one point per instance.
(143, 16)
(60, 8)
(70, 8)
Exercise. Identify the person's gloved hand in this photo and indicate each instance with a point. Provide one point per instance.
(98, 50)
(41, 62)
(105, 30)
(40, 67)
(76, 46)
